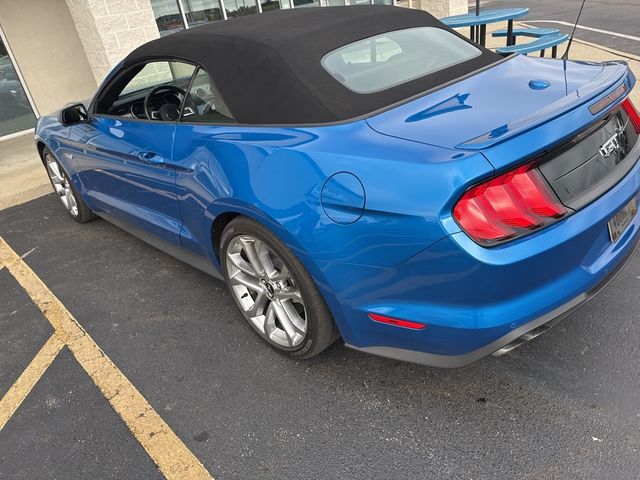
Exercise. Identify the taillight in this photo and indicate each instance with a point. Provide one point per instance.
(634, 116)
(508, 206)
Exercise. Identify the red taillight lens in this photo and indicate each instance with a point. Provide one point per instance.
(508, 206)
(634, 116)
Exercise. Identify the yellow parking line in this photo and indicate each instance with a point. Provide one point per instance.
(172, 457)
(28, 378)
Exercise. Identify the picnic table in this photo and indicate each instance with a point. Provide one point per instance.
(479, 21)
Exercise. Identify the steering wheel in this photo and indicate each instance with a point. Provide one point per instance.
(168, 112)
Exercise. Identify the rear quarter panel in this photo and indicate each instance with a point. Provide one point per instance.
(278, 175)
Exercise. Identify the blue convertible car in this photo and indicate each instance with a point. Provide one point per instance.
(364, 172)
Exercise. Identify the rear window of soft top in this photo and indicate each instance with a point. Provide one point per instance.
(383, 61)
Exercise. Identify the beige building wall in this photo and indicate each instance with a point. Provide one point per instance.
(43, 38)
(442, 8)
(110, 29)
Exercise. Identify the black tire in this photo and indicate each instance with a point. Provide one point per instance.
(321, 330)
(84, 213)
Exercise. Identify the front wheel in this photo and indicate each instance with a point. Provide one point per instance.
(274, 292)
(66, 190)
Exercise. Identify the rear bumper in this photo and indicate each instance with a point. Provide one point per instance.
(507, 342)
(476, 300)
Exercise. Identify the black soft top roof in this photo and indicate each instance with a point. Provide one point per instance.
(267, 66)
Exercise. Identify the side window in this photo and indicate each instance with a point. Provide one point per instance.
(158, 73)
(204, 102)
(127, 93)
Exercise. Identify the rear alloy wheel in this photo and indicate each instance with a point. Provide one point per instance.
(273, 291)
(65, 190)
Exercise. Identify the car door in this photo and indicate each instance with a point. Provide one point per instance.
(124, 161)
(204, 149)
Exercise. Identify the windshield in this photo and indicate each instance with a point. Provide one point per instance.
(384, 61)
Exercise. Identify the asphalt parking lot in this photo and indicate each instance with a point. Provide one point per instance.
(567, 405)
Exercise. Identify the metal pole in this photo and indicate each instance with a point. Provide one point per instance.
(478, 29)
(223, 9)
(183, 14)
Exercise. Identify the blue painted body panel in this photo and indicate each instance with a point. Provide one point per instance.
(115, 179)
(498, 101)
(366, 205)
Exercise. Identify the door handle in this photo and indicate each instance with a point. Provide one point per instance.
(151, 158)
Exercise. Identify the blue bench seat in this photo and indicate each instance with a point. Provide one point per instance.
(526, 32)
(538, 45)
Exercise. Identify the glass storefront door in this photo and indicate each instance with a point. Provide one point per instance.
(16, 114)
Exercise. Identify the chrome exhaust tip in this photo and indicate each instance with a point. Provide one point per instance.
(521, 340)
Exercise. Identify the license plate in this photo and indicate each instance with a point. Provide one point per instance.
(622, 219)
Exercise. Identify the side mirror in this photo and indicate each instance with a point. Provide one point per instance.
(74, 114)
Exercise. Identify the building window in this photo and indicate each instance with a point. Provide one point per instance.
(202, 11)
(16, 114)
(306, 3)
(175, 15)
(168, 16)
(237, 8)
(268, 5)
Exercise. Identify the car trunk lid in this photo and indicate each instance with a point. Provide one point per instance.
(532, 110)
(498, 103)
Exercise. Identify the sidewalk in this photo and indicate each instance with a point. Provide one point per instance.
(24, 177)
